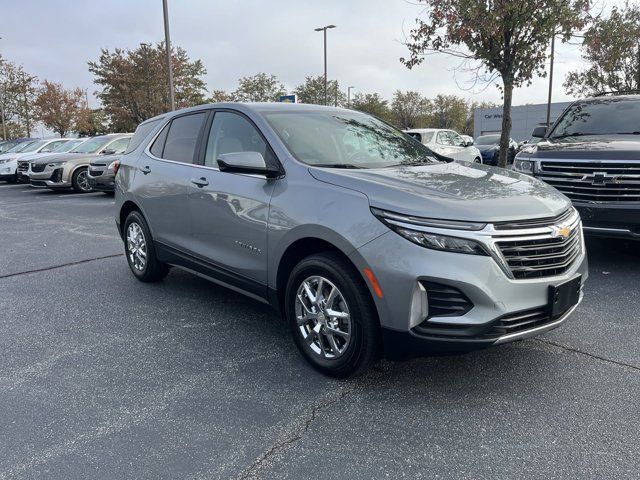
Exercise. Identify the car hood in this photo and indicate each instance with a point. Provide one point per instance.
(67, 157)
(451, 191)
(620, 147)
(485, 148)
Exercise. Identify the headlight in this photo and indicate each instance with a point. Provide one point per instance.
(402, 224)
(442, 242)
(56, 164)
(3, 161)
(523, 166)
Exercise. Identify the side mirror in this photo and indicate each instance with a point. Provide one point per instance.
(468, 143)
(108, 151)
(539, 132)
(246, 162)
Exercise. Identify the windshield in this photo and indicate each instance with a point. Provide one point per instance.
(487, 139)
(67, 146)
(346, 139)
(19, 147)
(92, 145)
(33, 146)
(607, 116)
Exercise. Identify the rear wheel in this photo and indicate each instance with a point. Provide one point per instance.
(477, 160)
(80, 181)
(331, 316)
(140, 251)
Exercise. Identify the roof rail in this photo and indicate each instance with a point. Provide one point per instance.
(621, 92)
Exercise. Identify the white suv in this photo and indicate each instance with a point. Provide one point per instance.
(447, 143)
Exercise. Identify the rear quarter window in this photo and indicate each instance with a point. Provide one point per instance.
(141, 133)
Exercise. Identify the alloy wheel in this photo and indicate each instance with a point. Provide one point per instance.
(323, 317)
(136, 247)
(83, 181)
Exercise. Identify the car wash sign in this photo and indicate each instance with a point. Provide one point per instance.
(288, 99)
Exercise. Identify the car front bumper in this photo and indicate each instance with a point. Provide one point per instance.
(8, 170)
(610, 219)
(403, 269)
(101, 180)
(51, 177)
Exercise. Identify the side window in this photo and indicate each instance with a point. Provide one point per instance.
(443, 138)
(51, 146)
(182, 137)
(426, 137)
(456, 139)
(232, 133)
(118, 146)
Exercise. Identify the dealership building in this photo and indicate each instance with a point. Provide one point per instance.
(524, 118)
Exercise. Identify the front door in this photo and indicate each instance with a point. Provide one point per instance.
(229, 211)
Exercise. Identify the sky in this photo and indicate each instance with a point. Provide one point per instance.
(55, 39)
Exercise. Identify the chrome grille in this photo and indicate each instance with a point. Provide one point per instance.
(539, 222)
(541, 251)
(38, 167)
(23, 166)
(603, 182)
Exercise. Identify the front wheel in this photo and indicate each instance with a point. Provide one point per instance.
(331, 316)
(140, 251)
(477, 160)
(80, 181)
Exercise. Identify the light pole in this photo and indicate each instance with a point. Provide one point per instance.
(167, 41)
(324, 30)
(349, 96)
(553, 49)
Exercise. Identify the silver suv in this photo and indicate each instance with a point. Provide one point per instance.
(366, 242)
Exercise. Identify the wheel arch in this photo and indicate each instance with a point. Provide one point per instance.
(302, 248)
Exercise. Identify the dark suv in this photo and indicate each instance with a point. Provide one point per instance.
(592, 155)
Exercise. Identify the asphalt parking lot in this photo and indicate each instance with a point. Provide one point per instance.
(104, 377)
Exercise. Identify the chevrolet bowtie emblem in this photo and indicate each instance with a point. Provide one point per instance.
(562, 231)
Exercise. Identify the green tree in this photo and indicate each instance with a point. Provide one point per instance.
(134, 83)
(611, 47)
(312, 91)
(91, 122)
(448, 111)
(371, 103)
(409, 109)
(218, 96)
(57, 108)
(505, 38)
(18, 91)
(259, 88)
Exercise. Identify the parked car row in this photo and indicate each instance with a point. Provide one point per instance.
(368, 240)
(62, 163)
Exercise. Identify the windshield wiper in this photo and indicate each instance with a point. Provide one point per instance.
(628, 133)
(577, 134)
(335, 165)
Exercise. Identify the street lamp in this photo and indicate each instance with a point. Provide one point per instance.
(324, 30)
(167, 41)
(349, 96)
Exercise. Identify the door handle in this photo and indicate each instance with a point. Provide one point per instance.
(200, 182)
(146, 169)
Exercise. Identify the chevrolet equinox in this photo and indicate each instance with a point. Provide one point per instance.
(366, 241)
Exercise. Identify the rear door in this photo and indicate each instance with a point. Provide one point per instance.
(163, 179)
(230, 211)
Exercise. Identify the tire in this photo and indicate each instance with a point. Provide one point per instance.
(344, 356)
(79, 181)
(146, 268)
(477, 160)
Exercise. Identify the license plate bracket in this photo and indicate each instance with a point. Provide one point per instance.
(564, 296)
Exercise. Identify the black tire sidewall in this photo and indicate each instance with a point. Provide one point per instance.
(363, 340)
(154, 270)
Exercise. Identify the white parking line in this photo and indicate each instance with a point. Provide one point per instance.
(67, 195)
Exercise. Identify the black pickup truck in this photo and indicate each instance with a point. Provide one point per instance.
(592, 155)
